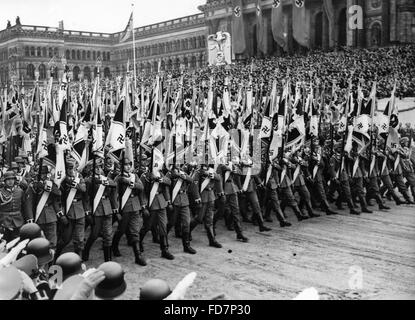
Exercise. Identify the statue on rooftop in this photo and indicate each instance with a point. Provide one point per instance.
(18, 21)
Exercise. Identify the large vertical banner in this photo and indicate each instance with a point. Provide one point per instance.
(277, 24)
(238, 28)
(301, 23)
(328, 8)
(261, 33)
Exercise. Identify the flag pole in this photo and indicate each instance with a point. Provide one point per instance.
(132, 27)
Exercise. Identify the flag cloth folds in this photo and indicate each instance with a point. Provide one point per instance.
(128, 30)
(329, 10)
(261, 34)
(238, 28)
(301, 23)
(279, 31)
(116, 135)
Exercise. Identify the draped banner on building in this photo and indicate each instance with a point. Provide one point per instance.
(261, 33)
(328, 8)
(301, 23)
(238, 28)
(277, 24)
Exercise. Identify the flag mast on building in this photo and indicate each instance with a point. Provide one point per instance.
(132, 28)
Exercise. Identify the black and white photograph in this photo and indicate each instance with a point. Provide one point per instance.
(207, 150)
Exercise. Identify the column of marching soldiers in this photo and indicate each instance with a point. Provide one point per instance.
(112, 198)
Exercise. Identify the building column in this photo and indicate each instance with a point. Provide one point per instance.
(290, 35)
(392, 21)
(325, 36)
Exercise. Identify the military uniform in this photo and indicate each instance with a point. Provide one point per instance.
(158, 213)
(75, 213)
(52, 209)
(102, 217)
(383, 169)
(181, 207)
(205, 214)
(131, 216)
(408, 169)
(357, 178)
(396, 173)
(231, 188)
(13, 209)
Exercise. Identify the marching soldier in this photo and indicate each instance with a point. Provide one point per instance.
(356, 166)
(205, 179)
(299, 184)
(102, 203)
(383, 168)
(157, 187)
(74, 199)
(130, 190)
(249, 184)
(272, 194)
(287, 195)
(319, 163)
(13, 210)
(396, 172)
(407, 166)
(44, 198)
(232, 188)
(180, 182)
(372, 186)
(340, 180)
(20, 180)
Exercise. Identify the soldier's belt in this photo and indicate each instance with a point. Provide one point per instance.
(182, 191)
(104, 198)
(209, 189)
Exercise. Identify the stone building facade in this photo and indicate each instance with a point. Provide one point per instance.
(25, 50)
(385, 22)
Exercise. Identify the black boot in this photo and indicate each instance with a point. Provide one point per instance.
(280, 216)
(262, 227)
(300, 216)
(352, 209)
(397, 199)
(326, 208)
(310, 211)
(115, 250)
(139, 258)
(164, 246)
(107, 253)
(156, 238)
(186, 244)
(239, 235)
(211, 237)
(85, 253)
(363, 205)
(382, 206)
(140, 243)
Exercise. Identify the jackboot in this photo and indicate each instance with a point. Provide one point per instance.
(186, 244)
(280, 216)
(310, 211)
(382, 206)
(164, 246)
(398, 201)
(326, 208)
(262, 227)
(351, 207)
(267, 215)
(239, 234)
(139, 258)
(300, 216)
(107, 253)
(211, 237)
(88, 246)
(363, 205)
(115, 241)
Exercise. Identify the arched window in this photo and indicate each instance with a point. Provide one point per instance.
(177, 64)
(108, 56)
(88, 55)
(67, 54)
(50, 52)
(193, 62)
(163, 65)
(376, 34)
(169, 65)
(56, 52)
(185, 62)
(30, 72)
(32, 51)
(44, 52)
(94, 55)
(26, 51)
(87, 73)
(83, 55)
(42, 72)
(78, 55)
(39, 52)
(76, 72)
(73, 55)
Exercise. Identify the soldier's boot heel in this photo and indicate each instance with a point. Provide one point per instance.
(281, 219)
(87, 249)
(139, 258)
(211, 237)
(115, 250)
(186, 244)
(300, 216)
(382, 206)
(239, 235)
(363, 205)
(353, 211)
(107, 253)
(310, 211)
(165, 248)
